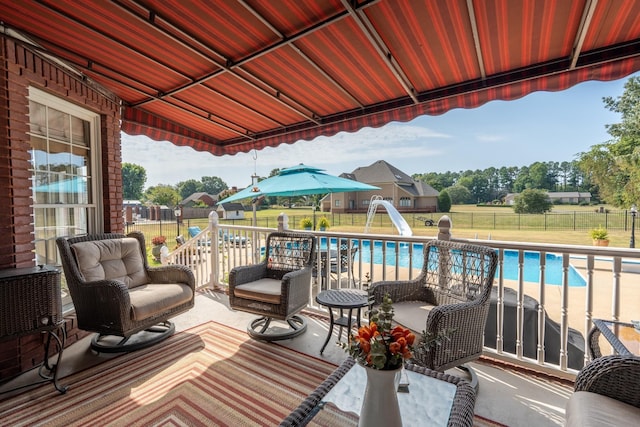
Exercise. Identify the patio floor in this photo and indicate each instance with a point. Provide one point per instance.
(507, 395)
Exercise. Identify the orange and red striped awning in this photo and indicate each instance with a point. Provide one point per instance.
(230, 76)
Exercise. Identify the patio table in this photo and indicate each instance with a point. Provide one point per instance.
(433, 398)
(342, 299)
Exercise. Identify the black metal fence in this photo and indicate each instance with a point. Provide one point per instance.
(566, 220)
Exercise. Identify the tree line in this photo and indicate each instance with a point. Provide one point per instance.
(493, 184)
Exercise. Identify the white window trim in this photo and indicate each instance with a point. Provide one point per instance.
(95, 221)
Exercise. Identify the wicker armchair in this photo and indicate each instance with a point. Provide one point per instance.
(117, 294)
(279, 287)
(606, 392)
(451, 294)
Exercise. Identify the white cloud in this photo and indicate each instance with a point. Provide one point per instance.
(490, 138)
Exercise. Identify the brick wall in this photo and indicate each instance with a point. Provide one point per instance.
(21, 68)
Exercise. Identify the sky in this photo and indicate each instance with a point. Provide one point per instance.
(542, 126)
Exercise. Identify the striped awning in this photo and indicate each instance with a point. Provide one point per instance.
(230, 76)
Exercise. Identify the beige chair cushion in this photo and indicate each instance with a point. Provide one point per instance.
(587, 409)
(265, 290)
(412, 314)
(113, 259)
(157, 298)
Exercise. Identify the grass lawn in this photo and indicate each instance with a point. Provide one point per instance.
(618, 238)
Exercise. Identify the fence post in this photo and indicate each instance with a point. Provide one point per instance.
(283, 222)
(444, 228)
(215, 248)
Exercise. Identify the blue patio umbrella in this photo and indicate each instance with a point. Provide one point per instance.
(300, 180)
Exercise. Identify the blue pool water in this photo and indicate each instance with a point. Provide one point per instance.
(553, 270)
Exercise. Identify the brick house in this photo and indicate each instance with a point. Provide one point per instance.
(405, 193)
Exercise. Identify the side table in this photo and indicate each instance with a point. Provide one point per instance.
(342, 299)
(30, 302)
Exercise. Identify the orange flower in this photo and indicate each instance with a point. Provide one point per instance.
(365, 345)
(411, 338)
(395, 348)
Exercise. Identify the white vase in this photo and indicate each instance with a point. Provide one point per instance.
(380, 402)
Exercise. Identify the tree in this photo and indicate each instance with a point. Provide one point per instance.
(459, 195)
(614, 166)
(162, 194)
(188, 187)
(444, 201)
(213, 185)
(133, 179)
(532, 201)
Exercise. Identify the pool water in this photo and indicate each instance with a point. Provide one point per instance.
(553, 270)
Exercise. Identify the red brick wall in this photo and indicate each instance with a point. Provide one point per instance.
(20, 69)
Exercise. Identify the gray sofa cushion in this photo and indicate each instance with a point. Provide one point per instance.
(116, 259)
(587, 409)
(156, 298)
(265, 290)
(412, 315)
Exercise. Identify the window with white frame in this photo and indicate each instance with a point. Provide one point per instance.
(63, 139)
(338, 203)
(405, 201)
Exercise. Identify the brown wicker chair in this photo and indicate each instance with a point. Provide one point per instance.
(277, 288)
(606, 392)
(117, 294)
(451, 294)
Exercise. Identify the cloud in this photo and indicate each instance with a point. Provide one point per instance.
(490, 138)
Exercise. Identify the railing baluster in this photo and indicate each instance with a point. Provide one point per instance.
(541, 310)
(520, 306)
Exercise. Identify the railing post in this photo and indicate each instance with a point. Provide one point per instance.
(444, 228)
(283, 222)
(215, 248)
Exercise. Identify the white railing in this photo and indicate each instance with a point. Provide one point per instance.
(610, 289)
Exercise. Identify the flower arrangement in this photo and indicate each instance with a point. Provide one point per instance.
(158, 240)
(380, 345)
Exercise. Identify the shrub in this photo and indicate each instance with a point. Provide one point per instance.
(599, 233)
(323, 222)
(306, 222)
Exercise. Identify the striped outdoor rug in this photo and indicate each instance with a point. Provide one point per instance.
(208, 375)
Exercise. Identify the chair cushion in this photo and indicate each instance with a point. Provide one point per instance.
(586, 409)
(265, 290)
(156, 298)
(113, 259)
(412, 314)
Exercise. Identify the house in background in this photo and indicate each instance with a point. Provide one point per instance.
(405, 193)
(564, 197)
(231, 211)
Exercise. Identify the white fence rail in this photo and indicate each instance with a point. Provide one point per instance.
(558, 288)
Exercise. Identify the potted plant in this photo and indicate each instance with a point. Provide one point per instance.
(158, 242)
(600, 236)
(323, 223)
(306, 223)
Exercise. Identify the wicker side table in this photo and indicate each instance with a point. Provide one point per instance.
(30, 302)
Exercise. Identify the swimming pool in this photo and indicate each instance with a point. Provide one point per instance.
(553, 271)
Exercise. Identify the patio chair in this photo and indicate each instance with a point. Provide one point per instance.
(345, 260)
(606, 392)
(116, 294)
(450, 296)
(277, 288)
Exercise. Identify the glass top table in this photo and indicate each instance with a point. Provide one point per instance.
(433, 398)
(623, 337)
